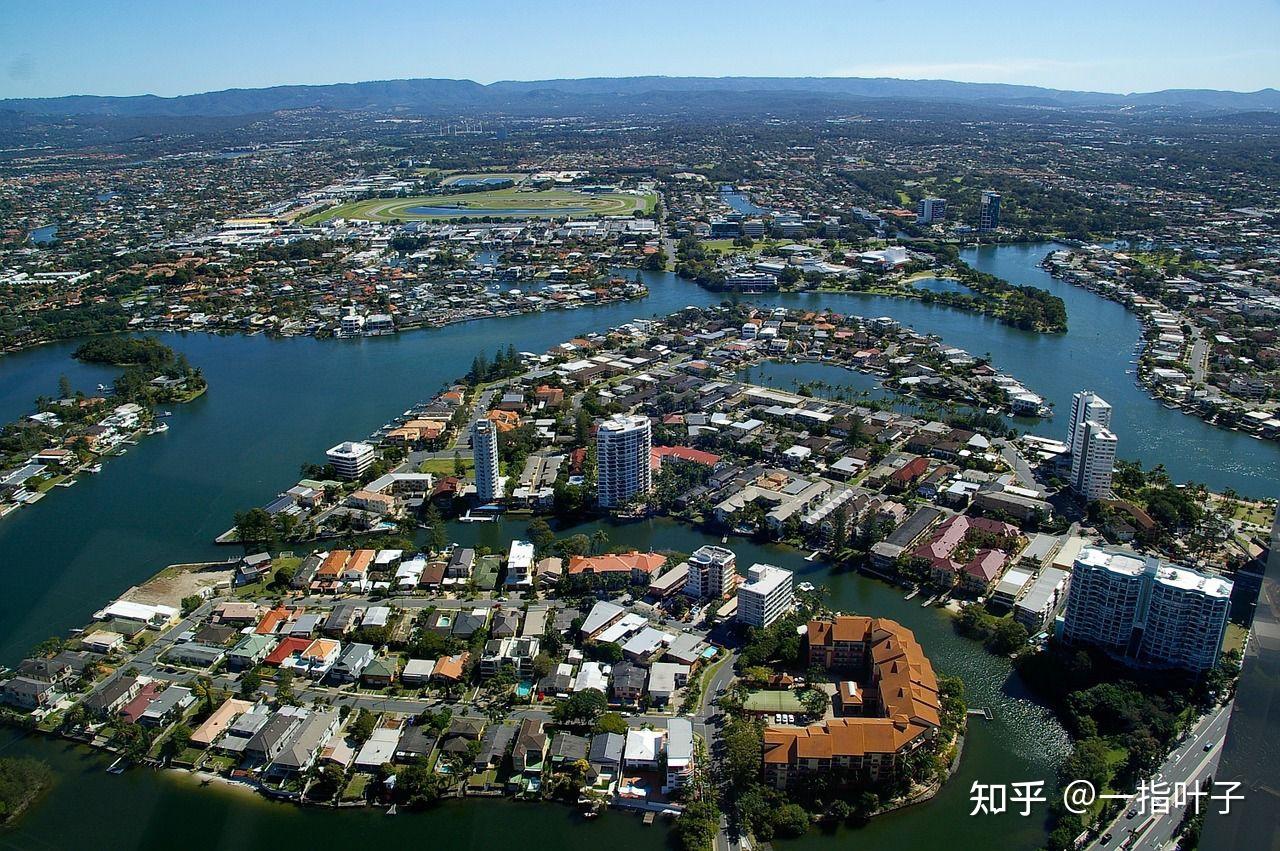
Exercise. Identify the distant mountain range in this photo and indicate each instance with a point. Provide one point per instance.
(439, 97)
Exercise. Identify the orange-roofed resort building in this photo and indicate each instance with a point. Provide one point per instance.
(889, 707)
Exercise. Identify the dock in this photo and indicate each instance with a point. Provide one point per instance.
(983, 713)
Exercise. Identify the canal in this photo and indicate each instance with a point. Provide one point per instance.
(274, 404)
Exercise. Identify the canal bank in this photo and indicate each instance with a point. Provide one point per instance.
(160, 810)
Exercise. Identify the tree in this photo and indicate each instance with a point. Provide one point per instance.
(540, 535)
(362, 727)
(697, 827)
(284, 686)
(582, 707)
(250, 682)
(190, 603)
(417, 786)
(1008, 637)
(64, 387)
(255, 526)
(178, 741)
(610, 722)
(437, 535)
(542, 665)
(790, 820)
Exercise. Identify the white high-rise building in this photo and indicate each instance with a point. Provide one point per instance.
(622, 459)
(351, 460)
(766, 595)
(1092, 468)
(931, 210)
(484, 448)
(711, 571)
(1086, 405)
(1145, 611)
(1093, 445)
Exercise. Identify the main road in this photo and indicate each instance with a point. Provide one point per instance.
(1189, 764)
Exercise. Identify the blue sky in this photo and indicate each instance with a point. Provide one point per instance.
(171, 48)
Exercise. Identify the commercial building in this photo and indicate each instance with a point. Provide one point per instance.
(351, 459)
(766, 595)
(1145, 611)
(484, 448)
(931, 210)
(711, 572)
(989, 211)
(623, 444)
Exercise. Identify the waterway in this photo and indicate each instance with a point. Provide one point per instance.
(274, 404)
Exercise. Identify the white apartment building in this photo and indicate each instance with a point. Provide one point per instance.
(1146, 611)
(622, 459)
(931, 210)
(1092, 468)
(351, 459)
(766, 595)
(711, 571)
(484, 448)
(1086, 405)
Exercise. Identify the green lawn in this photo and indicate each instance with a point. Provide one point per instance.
(549, 203)
(773, 701)
(355, 788)
(445, 466)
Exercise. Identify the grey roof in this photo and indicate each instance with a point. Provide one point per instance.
(110, 693)
(914, 526)
(311, 734)
(416, 741)
(495, 743)
(606, 749)
(1037, 597)
(679, 739)
(601, 615)
(570, 748)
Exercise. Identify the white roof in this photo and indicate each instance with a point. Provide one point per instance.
(592, 675)
(643, 745)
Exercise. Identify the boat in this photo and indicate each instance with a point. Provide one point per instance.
(805, 586)
(96, 468)
(117, 767)
(165, 414)
(914, 592)
(159, 428)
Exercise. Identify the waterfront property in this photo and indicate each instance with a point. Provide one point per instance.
(890, 712)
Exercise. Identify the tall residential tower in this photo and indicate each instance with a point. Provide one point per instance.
(1146, 612)
(622, 459)
(484, 448)
(1093, 445)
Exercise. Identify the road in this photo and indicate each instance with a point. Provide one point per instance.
(1189, 763)
(1198, 360)
(1021, 469)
